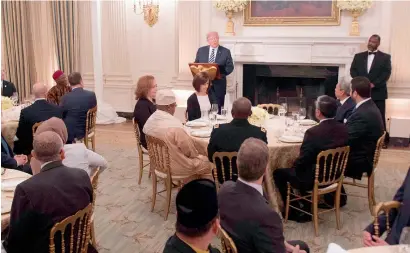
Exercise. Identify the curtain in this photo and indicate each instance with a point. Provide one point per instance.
(17, 58)
(65, 26)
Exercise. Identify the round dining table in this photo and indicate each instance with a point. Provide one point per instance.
(402, 248)
(282, 155)
(7, 194)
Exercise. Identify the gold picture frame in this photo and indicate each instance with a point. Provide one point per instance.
(332, 20)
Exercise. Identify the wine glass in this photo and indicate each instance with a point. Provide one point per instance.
(214, 108)
(302, 113)
(285, 107)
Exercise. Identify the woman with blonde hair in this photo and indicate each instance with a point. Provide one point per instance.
(201, 99)
(60, 89)
(145, 95)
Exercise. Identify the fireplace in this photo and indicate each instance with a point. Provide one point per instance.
(296, 85)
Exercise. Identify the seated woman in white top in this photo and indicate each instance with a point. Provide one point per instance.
(76, 155)
(201, 100)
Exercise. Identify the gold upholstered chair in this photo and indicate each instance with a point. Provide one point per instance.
(228, 245)
(90, 128)
(370, 180)
(141, 151)
(35, 126)
(161, 168)
(271, 108)
(224, 167)
(94, 182)
(330, 167)
(384, 208)
(78, 225)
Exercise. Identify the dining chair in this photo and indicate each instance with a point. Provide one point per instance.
(330, 167)
(141, 151)
(270, 108)
(228, 245)
(78, 223)
(370, 179)
(90, 128)
(224, 167)
(35, 126)
(161, 167)
(94, 182)
(384, 208)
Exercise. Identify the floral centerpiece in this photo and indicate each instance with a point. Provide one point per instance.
(229, 7)
(258, 117)
(6, 103)
(356, 8)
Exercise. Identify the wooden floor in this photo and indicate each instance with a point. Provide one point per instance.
(124, 221)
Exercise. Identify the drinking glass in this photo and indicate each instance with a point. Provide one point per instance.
(212, 117)
(281, 112)
(285, 107)
(214, 108)
(224, 112)
(302, 113)
(289, 122)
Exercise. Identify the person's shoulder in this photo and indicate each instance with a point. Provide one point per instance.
(384, 54)
(192, 97)
(222, 48)
(361, 53)
(203, 48)
(256, 130)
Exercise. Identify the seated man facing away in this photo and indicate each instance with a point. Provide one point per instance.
(197, 219)
(245, 214)
(328, 134)
(51, 195)
(399, 220)
(345, 103)
(75, 106)
(229, 137)
(39, 111)
(185, 158)
(11, 161)
(365, 127)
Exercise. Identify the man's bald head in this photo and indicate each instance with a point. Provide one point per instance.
(47, 147)
(241, 108)
(39, 90)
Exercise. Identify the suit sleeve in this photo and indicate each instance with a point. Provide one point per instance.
(384, 76)
(212, 148)
(22, 129)
(269, 237)
(7, 161)
(197, 56)
(62, 105)
(21, 205)
(355, 127)
(353, 68)
(192, 114)
(229, 64)
(183, 141)
(307, 153)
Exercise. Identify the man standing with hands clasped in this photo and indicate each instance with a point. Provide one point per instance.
(376, 66)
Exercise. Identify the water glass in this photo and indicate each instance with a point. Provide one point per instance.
(295, 116)
(281, 112)
(214, 108)
(285, 107)
(224, 112)
(302, 113)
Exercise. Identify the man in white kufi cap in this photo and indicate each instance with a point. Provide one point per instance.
(185, 158)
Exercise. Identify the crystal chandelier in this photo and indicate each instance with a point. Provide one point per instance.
(150, 8)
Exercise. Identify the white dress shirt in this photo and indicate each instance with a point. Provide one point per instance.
(80, 157)
(370, 59)
(210, 52)
(361, 102)
(257, 187)
(204, 103)
(344, 100)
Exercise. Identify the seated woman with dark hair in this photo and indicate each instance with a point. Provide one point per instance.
(145, 95)
(201, 100)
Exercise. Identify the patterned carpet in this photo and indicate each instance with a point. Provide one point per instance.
(124, 221)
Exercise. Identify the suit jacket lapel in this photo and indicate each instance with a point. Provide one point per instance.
(366, 56)
(207, 53)
(218, 54)
(376, 58)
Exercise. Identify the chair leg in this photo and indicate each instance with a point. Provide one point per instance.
(93, 142)
(154, 191)
(287, 204)
(141, 163)
(169, 190)
(93, 241)
(315, 213)
(370, 193)
(337, 207)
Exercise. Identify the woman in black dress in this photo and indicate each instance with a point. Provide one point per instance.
(201, 99)
(145, 95)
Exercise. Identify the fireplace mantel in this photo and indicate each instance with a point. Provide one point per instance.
(332, 51)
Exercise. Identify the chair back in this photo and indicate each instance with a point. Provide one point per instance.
(90, 123)
(78, 225)
(159, 155)
(136, 131)
(224, 167)
(385, 208)
(378, 150)
(271, 108)
(228, 246)
(35, 126)
(330, 166)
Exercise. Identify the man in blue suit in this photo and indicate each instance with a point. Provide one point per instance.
(75, 107)
(399, 218)
(345, 102)
(11, 161)
(215, 53)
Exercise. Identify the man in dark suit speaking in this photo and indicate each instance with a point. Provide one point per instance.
(215, 53)
(376, 66)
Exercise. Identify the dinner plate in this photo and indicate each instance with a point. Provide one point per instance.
(196, 124)
(201, 133)
(9, 185)
(291, 139)
(307, 122)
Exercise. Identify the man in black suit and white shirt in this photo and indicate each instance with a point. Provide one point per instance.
(376, 66)
(75, 106)
(365, 126)
(345, 103)
(8, 89)
(215, 53)
(39, 111)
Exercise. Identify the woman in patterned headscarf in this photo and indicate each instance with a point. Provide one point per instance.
(60, 89)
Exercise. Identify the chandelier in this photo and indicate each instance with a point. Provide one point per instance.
(150, 8)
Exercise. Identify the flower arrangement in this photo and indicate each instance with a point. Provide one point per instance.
(258, 117)
(356, 8)
(6, 103)
(229, 7)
